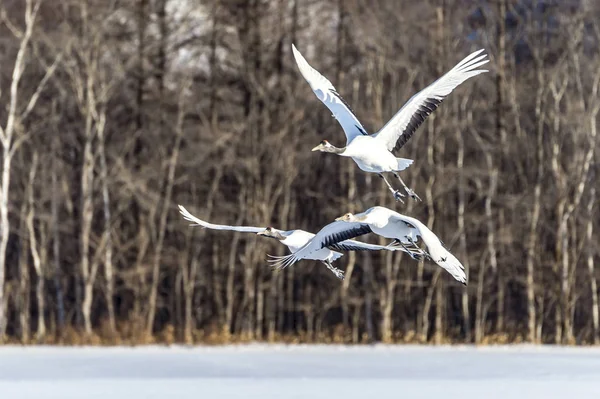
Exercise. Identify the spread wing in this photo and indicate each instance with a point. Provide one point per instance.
(437, 252)
(402, 126)
(328, 236)
(325, 92)
(197, 222)
(352, 245)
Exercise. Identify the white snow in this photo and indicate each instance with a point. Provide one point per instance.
(311, 372)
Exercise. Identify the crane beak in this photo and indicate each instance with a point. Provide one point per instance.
(339, 219)
(262, 233)
(317, 148)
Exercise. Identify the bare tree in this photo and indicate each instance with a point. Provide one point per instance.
(140, 105)
(11, 135)
(591, 269)
(168, 188)
(37, 252)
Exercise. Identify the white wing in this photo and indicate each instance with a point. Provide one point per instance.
(438, 253)
(329, 235)
(325, 92)
(191, 218)
(401, 127)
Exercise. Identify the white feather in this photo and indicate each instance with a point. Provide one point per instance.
(191, 218)
(327, 93)
(400, 124)
(293, 239)
(373, 153)
(390, 224)
(333, 233)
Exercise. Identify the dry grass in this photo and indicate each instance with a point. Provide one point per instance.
(132, 334)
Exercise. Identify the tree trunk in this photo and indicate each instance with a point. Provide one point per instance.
(87, 213)
(424, 332)
(190, 277)
(479, 308)
(368, 287)
(35, 255)
(4, 231)
(140, 220)
(466, 316)
(439, 313)
(532, 255)
(10, 145)
(162, 225)
(188, 303)
(432, 130)
(590, 265)
(531, 251)
(60, 307)
(23, 300)
(501, 133)
(108, 262)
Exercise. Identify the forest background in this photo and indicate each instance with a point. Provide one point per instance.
(113, 112)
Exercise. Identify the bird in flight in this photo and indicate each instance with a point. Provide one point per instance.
(405, 230)
(296, 239)
(374, 153)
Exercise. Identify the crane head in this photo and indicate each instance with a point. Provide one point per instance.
(348, 217)
(271, 233)
(324, 146)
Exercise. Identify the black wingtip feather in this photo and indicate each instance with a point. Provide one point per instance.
(346, 235)
(431, 104)
(344, 247)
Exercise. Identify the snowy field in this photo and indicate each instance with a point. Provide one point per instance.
(311, 372)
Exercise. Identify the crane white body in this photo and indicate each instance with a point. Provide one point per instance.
(373, 153)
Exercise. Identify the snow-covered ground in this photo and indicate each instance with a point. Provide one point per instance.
(307, 372)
